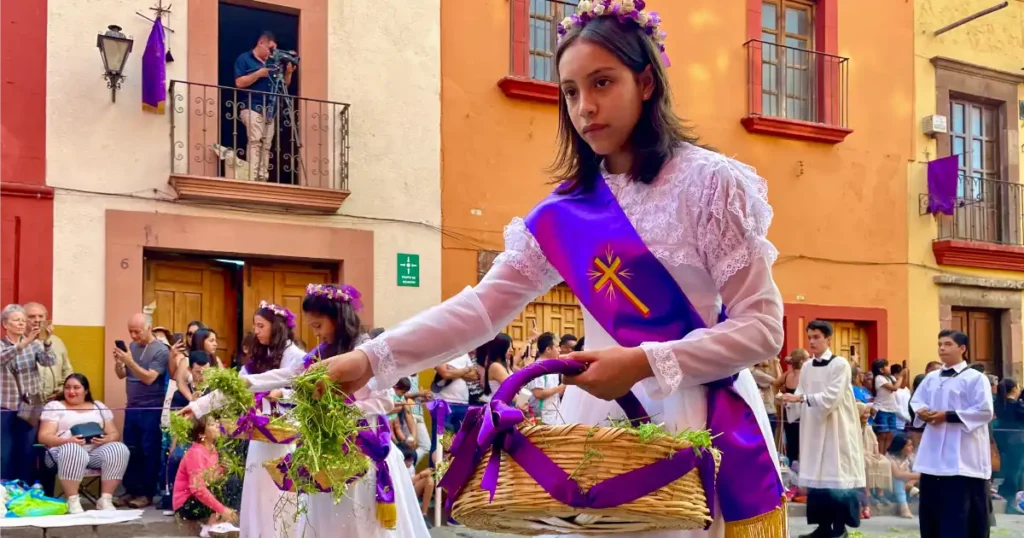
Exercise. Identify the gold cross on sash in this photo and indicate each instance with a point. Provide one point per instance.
(610, 276)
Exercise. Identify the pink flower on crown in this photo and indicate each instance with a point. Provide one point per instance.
(280, 311)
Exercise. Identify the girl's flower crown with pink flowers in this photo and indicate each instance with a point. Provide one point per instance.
(282, 312)
(343, 294)
(625, 10)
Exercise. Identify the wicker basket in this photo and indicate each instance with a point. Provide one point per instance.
(322, 478)
(589, 455)
(280, 433)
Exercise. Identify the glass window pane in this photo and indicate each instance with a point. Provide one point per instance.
(958, 149)
(769, 16)
(797, 21)
(768, 107)
(975, 155)
(975, 121)
(768, 38)
(768, 77)
(958, 118)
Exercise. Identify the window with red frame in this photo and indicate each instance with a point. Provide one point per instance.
(788, 78)
(535, 36)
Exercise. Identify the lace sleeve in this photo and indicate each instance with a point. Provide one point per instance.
(730, 204)
(469, 319)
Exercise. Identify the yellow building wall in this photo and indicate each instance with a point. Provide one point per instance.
(995, 41)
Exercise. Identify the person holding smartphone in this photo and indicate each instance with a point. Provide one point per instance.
(53, 376)
(143, 366)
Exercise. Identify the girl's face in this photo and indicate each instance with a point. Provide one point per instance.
(603, 97)
(210, 344)
(189, 331)
(908, 449)
(510, 353)
(321, 325)
(74, 392)
(212, 430)
(261, 328)
(15, 324)
(885, 369)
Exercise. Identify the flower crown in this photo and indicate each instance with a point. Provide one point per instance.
(289, 318)
(625, 10)
(343, 294)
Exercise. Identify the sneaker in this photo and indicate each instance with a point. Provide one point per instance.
(106, 503)
(204, 531)
(75, 505)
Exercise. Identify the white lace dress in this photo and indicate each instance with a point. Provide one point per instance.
(706, 219)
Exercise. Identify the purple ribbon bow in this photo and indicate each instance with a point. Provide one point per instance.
(439, 411)
(494, 427)
(253, 421)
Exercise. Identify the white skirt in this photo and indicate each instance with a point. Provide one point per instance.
(267, 512)
(356, 513)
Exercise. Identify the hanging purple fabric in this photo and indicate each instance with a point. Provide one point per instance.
(943, 175)
(154, 70)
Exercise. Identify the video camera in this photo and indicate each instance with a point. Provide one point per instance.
(279, 57)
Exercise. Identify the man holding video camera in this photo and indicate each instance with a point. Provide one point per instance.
(254, 72)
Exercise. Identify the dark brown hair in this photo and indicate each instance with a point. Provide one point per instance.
(656, 134)
(268, 357)
(347, 325)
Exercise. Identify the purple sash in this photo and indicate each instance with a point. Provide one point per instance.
(636, 300)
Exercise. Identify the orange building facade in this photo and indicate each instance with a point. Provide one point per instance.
(816, 94)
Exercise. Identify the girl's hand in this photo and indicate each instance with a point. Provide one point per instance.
(611, 372)
(229, 515)
(186, 412)
(275, 395)
(99, 441)
(349, 372)
(78, 440)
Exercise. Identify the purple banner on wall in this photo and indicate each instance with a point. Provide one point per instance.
(942, 178)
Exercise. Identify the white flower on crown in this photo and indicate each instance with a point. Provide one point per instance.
(628, 5)
(598, 10)
(660, 38)
(583, 6)
(567, 23)
(642, 18)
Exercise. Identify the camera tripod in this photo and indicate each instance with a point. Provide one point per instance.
(279, 89)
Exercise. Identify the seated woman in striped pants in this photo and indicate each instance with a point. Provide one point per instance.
(73, 454)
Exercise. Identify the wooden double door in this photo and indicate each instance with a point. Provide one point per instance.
(850, 335)
(224, 296)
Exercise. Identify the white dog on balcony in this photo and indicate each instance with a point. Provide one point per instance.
(234, 166)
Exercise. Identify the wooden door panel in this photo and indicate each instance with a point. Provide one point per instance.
(851, 333)
(557, 311)
(193, 290)
(284, 286)
(981, 340)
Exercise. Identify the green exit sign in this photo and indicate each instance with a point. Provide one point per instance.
(409, 270)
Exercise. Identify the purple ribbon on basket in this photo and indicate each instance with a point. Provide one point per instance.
(251, 421)
(439, 411)
(494, 426)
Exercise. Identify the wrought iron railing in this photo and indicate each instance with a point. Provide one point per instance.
(534, 36)
(797, 84)
(225, 132)
(985, 210)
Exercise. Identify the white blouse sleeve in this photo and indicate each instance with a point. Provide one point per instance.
(728, 210)
(471, 318)
(278, 378)
(371, 400)
(52, 412)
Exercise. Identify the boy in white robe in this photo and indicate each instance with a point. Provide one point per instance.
(954, 405)
(831, 448)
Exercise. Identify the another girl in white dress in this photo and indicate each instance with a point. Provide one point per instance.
(698, 222)
(332, 314)
(266, 511)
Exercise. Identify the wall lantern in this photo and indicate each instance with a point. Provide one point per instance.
(114, 49)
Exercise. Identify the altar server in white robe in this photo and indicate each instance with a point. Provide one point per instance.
(954, 404)
(831, 449)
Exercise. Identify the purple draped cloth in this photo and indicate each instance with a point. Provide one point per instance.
(943, 175)
(154, 70)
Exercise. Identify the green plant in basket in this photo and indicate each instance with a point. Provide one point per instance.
(327, 429)
(649, 432)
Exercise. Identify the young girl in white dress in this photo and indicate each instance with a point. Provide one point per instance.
(702, 215)
(332, 314)
(266, 512)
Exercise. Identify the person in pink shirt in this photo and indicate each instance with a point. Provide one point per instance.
(192, 500)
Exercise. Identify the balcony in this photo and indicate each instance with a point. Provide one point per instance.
(300, 162)
(796, 93)
(985, 229)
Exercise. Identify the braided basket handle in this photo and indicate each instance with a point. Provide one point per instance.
(515, 382)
